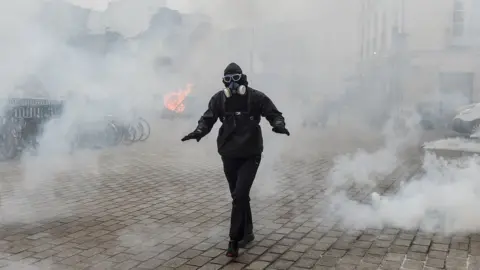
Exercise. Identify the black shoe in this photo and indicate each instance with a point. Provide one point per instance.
(232, 250)
(246, 240)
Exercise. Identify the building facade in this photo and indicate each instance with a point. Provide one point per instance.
(421, 51)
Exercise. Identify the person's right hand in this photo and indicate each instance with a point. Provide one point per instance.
(197, 135)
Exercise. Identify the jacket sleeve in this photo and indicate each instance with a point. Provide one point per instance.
(271, 113)
(209, 117)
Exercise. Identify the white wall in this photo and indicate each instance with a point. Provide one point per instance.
(427, 23)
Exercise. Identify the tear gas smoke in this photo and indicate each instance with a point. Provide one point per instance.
(45, 41)
(441, 197)
(102, 62)
(122, 61)
(364, 168)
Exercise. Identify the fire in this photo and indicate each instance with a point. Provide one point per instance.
(174, 101)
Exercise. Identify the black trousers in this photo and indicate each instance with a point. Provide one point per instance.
(240, 173)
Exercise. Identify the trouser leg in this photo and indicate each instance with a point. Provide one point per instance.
(248, 229)
(230, 168)
(241, 218)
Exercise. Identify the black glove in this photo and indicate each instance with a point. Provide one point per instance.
(197, 135)
(281, 130)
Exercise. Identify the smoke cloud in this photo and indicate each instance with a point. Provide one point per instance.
(401, 187)
(120, 59)
(439, 200)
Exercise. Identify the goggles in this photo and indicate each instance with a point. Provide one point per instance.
(233, 77)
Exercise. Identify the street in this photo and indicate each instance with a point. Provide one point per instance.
(165, 205)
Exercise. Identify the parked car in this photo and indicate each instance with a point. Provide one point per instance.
(467, 119)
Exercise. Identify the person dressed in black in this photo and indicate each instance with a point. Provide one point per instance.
(240, 144)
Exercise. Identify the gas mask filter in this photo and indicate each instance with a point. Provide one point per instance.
(240, 90)
(234, 86)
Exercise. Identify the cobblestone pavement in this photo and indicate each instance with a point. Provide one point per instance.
(148, 206)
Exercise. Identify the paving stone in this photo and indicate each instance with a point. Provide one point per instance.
(440, 247)
(398, 249)
(246, 258)
(152, 263)
(402, 242)
(126, 265)
(328, 261)
(346, 267)
(300, 248)
(291, 256)
(257, 250)
(258, 265)
(269, 257)
(394, 257)
(210, 266)
(282, 264)
(389, 265)
(175, 262)
(191, 253)
(422, 241)
(199, 261)
(419, 248)
(413, 265)
(438, 263)
(437, 254)
(456, 263)
(312, 254)
(416, 256)
(305, 263)
(368, 266)
(455, 253)
(279, 249)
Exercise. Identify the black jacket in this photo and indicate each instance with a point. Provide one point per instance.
(240, 134)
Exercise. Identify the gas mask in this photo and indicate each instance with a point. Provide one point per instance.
(234, 84)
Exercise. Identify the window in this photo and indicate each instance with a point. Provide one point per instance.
(458, 18)
(395, 38)
(367, 49)
(383, 34)
(374, 33)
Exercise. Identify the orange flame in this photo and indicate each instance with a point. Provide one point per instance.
(174, 100)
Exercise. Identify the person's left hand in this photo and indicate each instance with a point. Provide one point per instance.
(281, 130)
